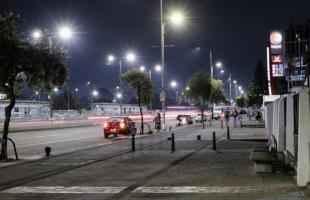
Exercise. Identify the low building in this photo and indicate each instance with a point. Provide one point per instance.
(25, 110)
(115, 109)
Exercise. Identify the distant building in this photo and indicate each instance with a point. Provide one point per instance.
(297, 43)
(115, 109)
(25, 110)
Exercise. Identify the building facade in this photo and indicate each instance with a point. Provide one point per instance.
(25, 110)
(115, 109)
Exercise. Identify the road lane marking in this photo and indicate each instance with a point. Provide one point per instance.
(150, 190)
(65, 190)
(56, 141)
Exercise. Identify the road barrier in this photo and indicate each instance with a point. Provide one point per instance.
(14, 147)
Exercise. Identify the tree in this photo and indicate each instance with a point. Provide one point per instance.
(200, 89)
(141, 84)
(258, 85)
(60, 102)
(217, 92)
(241, 102)
(22, 62)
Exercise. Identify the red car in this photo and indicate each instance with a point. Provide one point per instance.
(119, 125)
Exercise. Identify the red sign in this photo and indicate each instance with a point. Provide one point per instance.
(276, 59)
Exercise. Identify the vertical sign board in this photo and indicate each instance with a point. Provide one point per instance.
(276, 54)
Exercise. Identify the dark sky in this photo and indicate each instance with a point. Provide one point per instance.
(236, 31)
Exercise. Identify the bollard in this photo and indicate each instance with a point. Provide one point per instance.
(47, 151)
(198, 137)
(172, 142)
(228, 134)
(240, 123)
(214, 141)
(133, 143)
(222, 124)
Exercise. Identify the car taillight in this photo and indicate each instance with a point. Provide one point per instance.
(105, 125)
(122, 125)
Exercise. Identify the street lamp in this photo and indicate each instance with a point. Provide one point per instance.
(65, 32)
(176, 18)
(173, 84)
(157, 68)
(236, 91)
(222, 71)
(142, 68)
(130, 57)
(37, 34)
(219, 65)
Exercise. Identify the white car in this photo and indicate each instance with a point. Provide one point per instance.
(217, 114)
(199, 120)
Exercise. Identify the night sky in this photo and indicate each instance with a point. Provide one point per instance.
(237, 31)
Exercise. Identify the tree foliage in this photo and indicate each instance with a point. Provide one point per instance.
(241, 102)
(258, 85)
(60, 101)
(141, 84)
(217, 92)
(200, 89)
(23, 62)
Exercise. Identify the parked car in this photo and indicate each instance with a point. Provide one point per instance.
(217, 114)
(198, 118)
(119, 125)
(187, 119)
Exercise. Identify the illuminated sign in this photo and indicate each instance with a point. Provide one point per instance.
(276, 38)
(276, 59)
(277, 70)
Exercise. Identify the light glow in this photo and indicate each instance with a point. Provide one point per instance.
(65, 32)
(177, 18)
(131, 57)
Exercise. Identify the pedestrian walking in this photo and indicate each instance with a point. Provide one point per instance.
(235, 116)
(157, 121)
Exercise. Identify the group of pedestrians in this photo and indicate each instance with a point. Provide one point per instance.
(235, 114)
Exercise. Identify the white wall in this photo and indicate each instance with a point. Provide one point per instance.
(303, 163)
(290, 125)
(281, 126)
(275, 121)
(269, 119)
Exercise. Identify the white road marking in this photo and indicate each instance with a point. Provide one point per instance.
(65, 190)
(150, 190)
(56, 141)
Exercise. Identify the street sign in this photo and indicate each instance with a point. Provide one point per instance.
(162, 97)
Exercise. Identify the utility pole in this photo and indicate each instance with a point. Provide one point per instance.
(163, 96)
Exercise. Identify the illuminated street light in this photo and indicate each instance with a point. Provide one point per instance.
(111, 58)
(177, 18)
(119, 95)
(117, 87)
(37, 34)
(173, 84)
(65, 32)
(235, 82)
(157, 68)
(219, 65)
(142, 68)
(131, 57)
(95, 93)
(88, 82)
(222, 71)
(37, 93)
(240, 88)
(76, 89)
(187, 88)
(55, 89)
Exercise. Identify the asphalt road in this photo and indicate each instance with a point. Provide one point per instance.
(30, 145)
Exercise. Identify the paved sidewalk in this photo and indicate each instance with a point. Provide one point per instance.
(193, 171)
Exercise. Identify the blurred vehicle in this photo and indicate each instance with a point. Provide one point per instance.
(198, 118)
(187, 119)
(119, 125)
(217, 114)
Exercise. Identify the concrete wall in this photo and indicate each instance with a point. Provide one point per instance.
(303, 163)
(269, 119)
(275, 120)
(290, 125)
(281, 126)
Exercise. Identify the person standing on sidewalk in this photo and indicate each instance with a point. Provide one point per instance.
(235, 116)
(157, 121)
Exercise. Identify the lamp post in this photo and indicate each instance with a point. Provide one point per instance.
(176, 18)
(129, 57)
(236, 91)
(65, 33)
